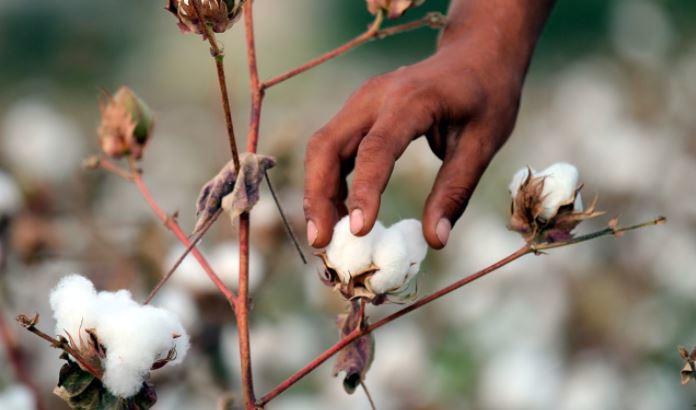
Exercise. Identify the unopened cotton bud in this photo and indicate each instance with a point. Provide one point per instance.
(392, 8)
(126, 124)
(392, 259)
(412, 232)
(350, 254)
(218, 14)
(560, 186)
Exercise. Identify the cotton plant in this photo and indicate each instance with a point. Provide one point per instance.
(547, 205)
(111, 343)
(376, 267)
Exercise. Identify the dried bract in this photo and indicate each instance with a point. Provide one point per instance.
(547, 205)
(392, 8)
(355, 359)
(218, 14)
(688, 372)
(126, 124)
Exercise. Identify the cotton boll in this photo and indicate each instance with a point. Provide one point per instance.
(10, 195)
(179, 302)
(392, 258)
(351, 254)
(224, 258)
(71, 302)
(560, 183)
(412, 232)
(134, 336)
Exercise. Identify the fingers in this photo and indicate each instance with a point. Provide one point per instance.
(378, 151)
(455, 182)
(328, 152)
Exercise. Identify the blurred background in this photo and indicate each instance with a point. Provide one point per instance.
(612, 89)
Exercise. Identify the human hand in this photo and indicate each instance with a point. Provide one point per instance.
(464, 99)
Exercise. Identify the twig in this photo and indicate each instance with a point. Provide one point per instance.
(174, 227)
(106, 164)
(219, 57)
(527, 249)
(30, 324)
(15, 356)
(286, 224)
(434, 20)
(369, 396)
(194, 242)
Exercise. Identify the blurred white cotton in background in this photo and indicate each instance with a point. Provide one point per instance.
(10, 195)
(16, 397)
(39, 143)
(641, 31)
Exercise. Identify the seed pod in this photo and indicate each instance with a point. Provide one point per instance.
(219, 14)
(126, 124)
(392, 8)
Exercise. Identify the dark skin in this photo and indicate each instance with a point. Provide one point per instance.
(464, 99)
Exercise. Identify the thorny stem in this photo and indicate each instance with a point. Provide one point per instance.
(30, 325)
(171, 224)
(219, 57)
(15, 355)
(358, 332)
(434, 20)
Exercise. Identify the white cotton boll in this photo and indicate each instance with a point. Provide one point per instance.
(134, 336)
(10, 195)
(412, 232)
(560, 183)
(518, 179)
(71, 302)
(349, 253)
(392, 258)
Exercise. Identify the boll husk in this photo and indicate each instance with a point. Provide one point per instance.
(392, 8)
(121, 338)
(218, 14)
(126, 124)
(377, 267)
(547, 205)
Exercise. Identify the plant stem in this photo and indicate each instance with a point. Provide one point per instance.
(527, 249)
(242, 311)
(15, 355)
(219, 57)
(171, 224)
(434, 20)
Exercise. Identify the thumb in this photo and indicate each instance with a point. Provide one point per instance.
(461, 170)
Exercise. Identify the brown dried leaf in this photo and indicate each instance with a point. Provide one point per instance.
(246, 188)
(355, 359)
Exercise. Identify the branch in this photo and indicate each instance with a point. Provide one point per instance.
(30, 324)
(434, 20)
(219, 57)
(526, 249)
(15, 355)
(171, 224)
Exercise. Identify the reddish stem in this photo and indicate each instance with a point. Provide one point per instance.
(358, 332)
(15, 355)
(174, 227)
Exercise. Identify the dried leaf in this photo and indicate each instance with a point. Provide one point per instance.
(246, 188)
(234, 193)
(355, 359)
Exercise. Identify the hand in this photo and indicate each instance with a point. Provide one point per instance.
(464, 99)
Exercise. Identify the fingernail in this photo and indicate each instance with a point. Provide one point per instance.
(442, 230)
(311, 232)
(356, 221)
